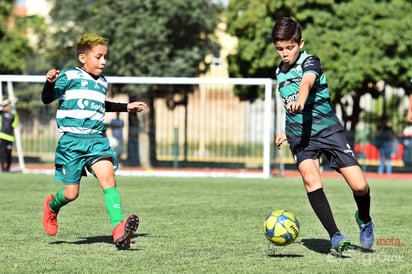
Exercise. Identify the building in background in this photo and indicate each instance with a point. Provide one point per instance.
(31, 7)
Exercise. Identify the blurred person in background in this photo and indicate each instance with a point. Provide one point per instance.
(8, 122)
(384, 140)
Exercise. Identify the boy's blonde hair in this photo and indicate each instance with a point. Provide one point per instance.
(90, 40)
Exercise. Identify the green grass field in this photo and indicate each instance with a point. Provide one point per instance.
(198, 225)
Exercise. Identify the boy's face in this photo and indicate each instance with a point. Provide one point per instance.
(289, 51)
(94, 60)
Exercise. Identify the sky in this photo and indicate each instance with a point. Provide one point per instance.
(224, 2)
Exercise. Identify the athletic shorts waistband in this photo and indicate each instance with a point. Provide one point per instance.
(81, 135)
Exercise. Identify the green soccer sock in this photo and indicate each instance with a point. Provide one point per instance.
(113, 205)
(59, 201)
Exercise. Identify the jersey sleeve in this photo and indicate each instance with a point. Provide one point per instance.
(115, 107)
(60, 85)
(47, 95)
(312, 64)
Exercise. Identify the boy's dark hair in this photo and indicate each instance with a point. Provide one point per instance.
(286, 29)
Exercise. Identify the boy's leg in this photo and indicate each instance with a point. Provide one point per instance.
(58, 201)
(361, 193)
(357, 182)
(104, 172)
(52, 205)
(321, 207)
(122, 230)
(310, 171)
(113, 205)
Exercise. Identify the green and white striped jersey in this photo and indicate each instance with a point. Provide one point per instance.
(318, 113)
(81, 102)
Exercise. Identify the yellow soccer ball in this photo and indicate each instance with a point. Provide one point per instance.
(281, 227)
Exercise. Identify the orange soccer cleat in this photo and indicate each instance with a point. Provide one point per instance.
(123, 232)
(49, 217)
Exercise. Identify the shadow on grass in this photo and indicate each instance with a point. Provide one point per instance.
(284, 255)
(273, 251)
(318, 245)
(97, 239)
(323, 246)
(360, 249)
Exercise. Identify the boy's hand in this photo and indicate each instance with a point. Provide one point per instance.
(294, 107)
(136, 106)
(280, 139)
(52, 75)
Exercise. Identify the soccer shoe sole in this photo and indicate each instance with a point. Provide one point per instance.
(343, 245)
(131, 225)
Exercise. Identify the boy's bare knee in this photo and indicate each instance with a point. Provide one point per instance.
(71, 195)
(311, 182)
(361, 190)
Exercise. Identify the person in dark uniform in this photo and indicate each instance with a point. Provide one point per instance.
(8, 122)
(313, 129)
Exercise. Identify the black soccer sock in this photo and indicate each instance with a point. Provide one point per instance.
(320, 205)
(364, 204)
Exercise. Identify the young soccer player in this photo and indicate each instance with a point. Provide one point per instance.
(313, 129)
(81, 92)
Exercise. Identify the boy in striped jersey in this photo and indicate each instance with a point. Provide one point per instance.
(81, 92)
(313, 129)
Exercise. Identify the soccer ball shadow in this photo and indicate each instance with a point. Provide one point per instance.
(273, 251)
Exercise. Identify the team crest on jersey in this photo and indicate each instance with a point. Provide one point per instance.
(82, 103)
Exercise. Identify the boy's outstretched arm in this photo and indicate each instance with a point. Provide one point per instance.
(125, 107)
(136, 106)
(306, 84)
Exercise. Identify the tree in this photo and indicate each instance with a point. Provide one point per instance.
(17, 56)
(147, 38)
(359, 43)
(13, 44)
(251, 22)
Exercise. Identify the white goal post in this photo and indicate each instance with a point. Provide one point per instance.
(268, 84)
